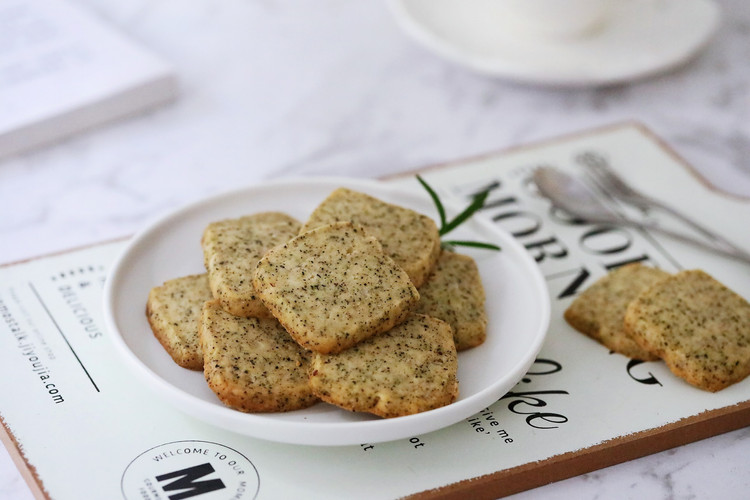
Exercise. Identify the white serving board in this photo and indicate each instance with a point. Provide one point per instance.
(578, 408)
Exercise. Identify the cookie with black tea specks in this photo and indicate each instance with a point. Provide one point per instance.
(599, 311)
(173, 311)
(407, 370)
(454, 293)
(408, 237)
(252, 364)
(333, 287)
(231, 251)
(698, 326)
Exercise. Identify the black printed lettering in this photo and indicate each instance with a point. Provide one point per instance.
(186, 479)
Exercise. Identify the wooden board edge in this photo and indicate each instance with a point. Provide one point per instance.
(532, 475)
(27, 471)
(602, 129)
(667, 148)
(12, 446)
(65, 251)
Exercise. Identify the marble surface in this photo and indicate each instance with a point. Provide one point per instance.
(273, 88)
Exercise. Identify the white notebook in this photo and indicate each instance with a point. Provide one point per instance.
(63, 70)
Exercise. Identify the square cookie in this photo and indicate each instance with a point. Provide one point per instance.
(333, 287)
(173, 310)
(698, 326)
(408, 237)
(454, 293)
(599, 311)
(409, 369)
(231, 251)
(252, 364)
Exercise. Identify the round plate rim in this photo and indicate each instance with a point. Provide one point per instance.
(264, 426)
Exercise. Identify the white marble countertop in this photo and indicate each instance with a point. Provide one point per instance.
(279, 88)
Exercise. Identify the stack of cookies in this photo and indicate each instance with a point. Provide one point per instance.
(698, 326)
(358, 307)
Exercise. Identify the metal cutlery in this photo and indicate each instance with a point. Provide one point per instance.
(574, 197)
(613, 185)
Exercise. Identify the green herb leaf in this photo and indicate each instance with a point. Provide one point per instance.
(435, 199)
(476, 204)
(446, 227)
(474, 244)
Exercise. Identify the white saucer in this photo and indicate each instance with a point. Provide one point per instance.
(640, 39)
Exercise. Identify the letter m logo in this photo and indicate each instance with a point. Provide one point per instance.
(185, 481)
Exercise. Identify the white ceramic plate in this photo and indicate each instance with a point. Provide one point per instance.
(517, 302)
(641, 38)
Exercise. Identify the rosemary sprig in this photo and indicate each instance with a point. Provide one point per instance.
(463, 243)
(447, 226)
(475, 205)
(435, 200)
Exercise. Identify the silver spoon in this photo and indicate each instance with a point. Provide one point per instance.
(574, 197)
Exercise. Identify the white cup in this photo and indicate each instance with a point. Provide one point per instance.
(554, 19)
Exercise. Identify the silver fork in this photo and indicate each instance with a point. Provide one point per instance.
(612, 184)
